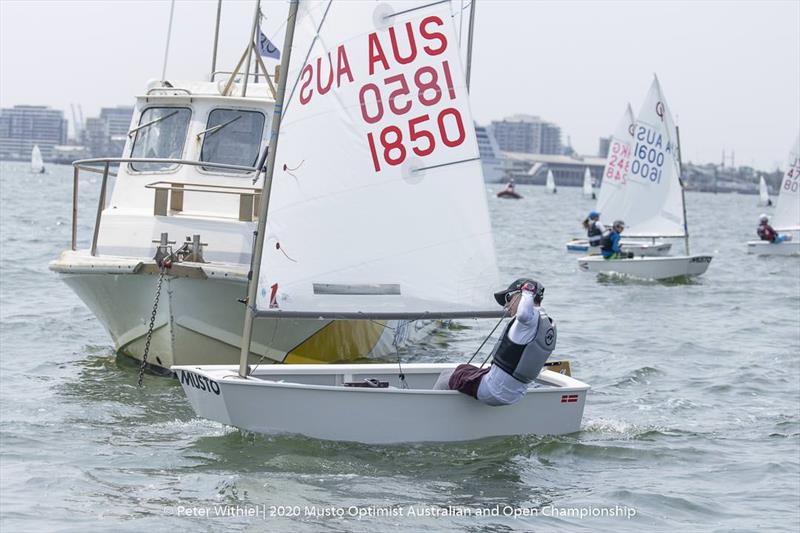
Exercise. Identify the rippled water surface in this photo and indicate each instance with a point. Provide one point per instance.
(692, 423)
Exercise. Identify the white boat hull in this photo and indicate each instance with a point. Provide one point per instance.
(311, 400)
(769, 248)
(645, 249)
(648, 267)
(199, 317)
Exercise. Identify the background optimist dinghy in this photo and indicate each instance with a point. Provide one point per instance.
(377, 258)
(651, 201)
(787, 212)
(611, 200)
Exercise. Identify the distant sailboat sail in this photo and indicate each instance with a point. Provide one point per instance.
(587, 183)
(37, 164)
(763, 193)
(611, 200)
(653, 197)
(375, 159)
(550, 185)
(787, 212)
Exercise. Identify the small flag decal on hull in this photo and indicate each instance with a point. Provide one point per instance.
(569, 398)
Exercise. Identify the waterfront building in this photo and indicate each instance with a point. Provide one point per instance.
(492, 159)
(567, 169)
(23, 126)
(105, 135)
(527, 134)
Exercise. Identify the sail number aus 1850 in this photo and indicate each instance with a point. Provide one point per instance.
(391, 144)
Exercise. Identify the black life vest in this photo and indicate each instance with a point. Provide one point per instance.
(523, 362)
(605, 242)
(594, 233)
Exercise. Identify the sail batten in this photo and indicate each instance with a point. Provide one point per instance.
(378, 206)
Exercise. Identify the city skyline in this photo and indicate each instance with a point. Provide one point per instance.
(730, 70)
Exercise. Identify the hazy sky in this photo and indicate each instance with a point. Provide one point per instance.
(730, 70)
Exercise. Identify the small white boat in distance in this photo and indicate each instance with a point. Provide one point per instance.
(652, 201)
(550, 185)
(648, 267)
(587, 184)
(763, 193)
(639, 248)
(787, 213)
(37, 163)
(314, 400)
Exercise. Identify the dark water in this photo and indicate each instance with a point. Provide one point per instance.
(692, 423)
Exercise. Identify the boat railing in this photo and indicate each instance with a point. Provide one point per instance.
(169, 195)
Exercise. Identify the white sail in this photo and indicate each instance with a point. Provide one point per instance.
(551, 182)
(787, 212)
(587, 183)
(653, 196)
(763, 193)
(378, 206)
(611, 199)
(37, 164)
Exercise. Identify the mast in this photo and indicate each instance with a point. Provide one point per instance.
(169, 34)
(255, 261)
(250, 50)
(469, 40)
(683, 190)
(216, 40)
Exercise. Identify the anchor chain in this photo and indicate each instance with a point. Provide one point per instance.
(164, 264)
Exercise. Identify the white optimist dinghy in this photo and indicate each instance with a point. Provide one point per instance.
(375, 166)
(763, 193)
(787, 212)
(611, 200)
(653, 205)
(37, 163)
(550, 183)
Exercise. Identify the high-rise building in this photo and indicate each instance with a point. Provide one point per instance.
(105, 135)
(23, 126)
(527, 134)
(603, 146)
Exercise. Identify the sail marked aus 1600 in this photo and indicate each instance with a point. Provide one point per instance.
(649, 153)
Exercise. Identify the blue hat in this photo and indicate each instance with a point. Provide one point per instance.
(594, 214)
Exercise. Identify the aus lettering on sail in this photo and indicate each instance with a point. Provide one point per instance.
(402, 80)
(653, 149)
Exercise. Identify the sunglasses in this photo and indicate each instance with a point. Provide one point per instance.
(510, 296)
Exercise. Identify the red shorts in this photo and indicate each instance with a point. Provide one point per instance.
(467, 378)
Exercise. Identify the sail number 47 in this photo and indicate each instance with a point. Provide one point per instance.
(420, 134)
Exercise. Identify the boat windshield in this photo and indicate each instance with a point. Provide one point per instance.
(232, 137)
(161, 134)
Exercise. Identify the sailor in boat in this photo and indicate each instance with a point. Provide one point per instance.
(768, 233)
(610, 242)
(509, 190)
(519, 354)
(594, 229)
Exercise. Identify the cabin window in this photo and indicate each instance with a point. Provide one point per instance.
(161, 134)
(232, 137)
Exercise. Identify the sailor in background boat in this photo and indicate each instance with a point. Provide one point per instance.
(768, 233)
(610, 242)
(594, 229)
(519, 354)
